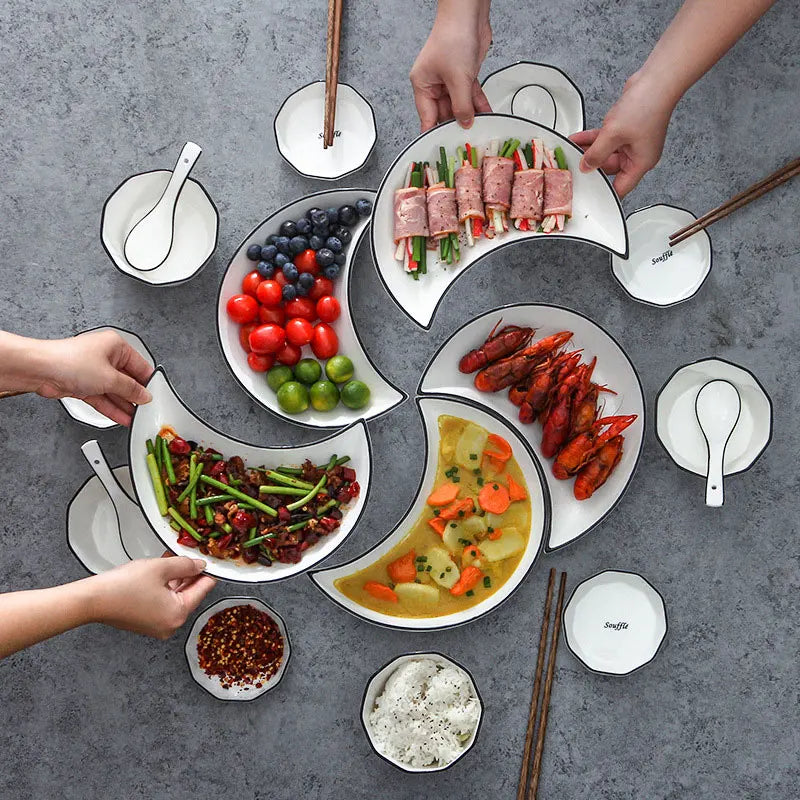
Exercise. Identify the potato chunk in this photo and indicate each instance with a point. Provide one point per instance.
(417, 597)
(472, 442)
(443, 569)
(509, 544)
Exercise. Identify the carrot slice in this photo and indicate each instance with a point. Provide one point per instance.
(470, 553)
(497, 465)
(438, 524)
(467, 580)
(494, 498)
(515, 491)
(503, 452)
(380, 591)
(403, 569)
(495, 534)
(459, 509)
(444, 494)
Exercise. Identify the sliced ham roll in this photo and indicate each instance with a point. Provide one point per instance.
(468, 193)
(442, 212)
(410, 213)
(498, 175)
(527, 195)
(557, 192)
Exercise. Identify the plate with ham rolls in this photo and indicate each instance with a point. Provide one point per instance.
(453, 196)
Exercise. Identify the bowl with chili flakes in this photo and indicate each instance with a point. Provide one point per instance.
(238, 648)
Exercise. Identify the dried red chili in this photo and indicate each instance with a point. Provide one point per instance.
(241, 645)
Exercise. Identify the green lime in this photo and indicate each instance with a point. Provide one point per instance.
(339, 369)
(293, 397)
(355, 394)
(324, 396)
(308, 371)
(277, 376)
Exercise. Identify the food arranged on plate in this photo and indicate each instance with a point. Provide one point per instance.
(530, 184)
(251, 514)
(552, 384)
(467, 542)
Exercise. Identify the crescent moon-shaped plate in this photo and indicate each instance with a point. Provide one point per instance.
(597, 212)
(431, 408)
(167, 408)
(384, 396)
(571, 518)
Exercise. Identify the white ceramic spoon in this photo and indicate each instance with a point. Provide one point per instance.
(717, 406)
(138, 540)
(149, 242)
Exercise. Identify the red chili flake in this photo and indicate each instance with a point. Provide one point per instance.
(241, 645)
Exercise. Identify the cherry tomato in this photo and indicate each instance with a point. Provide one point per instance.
(303, 307)
(269, 294)
(242, 308)
(299, 331)
(288, 354)
(307, 262)
(267, 338)
(259, 363)
(321, 287)
(325, 342)
(244, 334)
(328, 308)
(250, 283)
(280, 278)
(276, 315)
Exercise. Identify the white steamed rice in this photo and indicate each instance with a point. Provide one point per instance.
(426, 714)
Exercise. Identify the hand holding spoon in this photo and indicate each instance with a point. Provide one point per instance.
(717, 407)
(150, 241)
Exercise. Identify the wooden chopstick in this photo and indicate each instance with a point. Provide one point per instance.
(759, 188)
(11, 394)
(537, 682)
(548, 687)
(332, 69)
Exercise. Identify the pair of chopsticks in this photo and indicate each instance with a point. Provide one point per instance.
(534, 768)
(11, 394)
(332, 69)
(778, 177)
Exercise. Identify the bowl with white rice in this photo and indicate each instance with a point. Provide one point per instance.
(421, 712)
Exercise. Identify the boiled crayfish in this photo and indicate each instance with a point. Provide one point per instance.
(578, 452)
(497, 345)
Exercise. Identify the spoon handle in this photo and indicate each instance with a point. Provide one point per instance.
(714, 493)
(97, 461)
(186, 160)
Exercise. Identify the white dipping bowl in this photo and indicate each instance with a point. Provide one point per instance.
(298, 130)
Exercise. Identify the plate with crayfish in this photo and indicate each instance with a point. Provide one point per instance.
(581, 380)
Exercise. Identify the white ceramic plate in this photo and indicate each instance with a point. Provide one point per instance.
(678, 430)
(375, 687)
(655, 273)
(615, 622)
(92, 525)
(537, 92)
(571, 518)
(83, 412)
(167, 408)
(384, 395)
(211, 683)
(598, 217)
(298, 128)
(431, 408)
(195, 233)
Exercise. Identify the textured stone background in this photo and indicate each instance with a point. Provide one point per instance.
(91, 92)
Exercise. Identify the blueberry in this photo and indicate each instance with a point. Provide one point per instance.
(333, 215)
(288, 229)
(347, 215)
(321, 230)
(306, 280)
(340, 259)
(340, 232)
(315, 242)
(363, 207)
(282, 243)
(303, 226)
(290, 272)
(297, 244)
(254, 252)
(266, 269)
(324, 257)
(302, 291)
(272, 238)
(289, 292)
(310, 213)
(268, 252)
(334, 244)
(331, 271)
(281, 260)
(319, 217)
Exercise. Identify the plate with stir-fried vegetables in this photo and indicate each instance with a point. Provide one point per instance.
(256, 514)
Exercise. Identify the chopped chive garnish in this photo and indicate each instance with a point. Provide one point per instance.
(473, 456)
(420, 568)
(465, 542)
(476, 471)
(470, 593)
(448, 569)
(456, 479)
(422, 558)
(437, 511)
(490, 529)
(441, 576)
(495, 487)
(480, 481)
(487, 581)
(452, 524)
(428, 568)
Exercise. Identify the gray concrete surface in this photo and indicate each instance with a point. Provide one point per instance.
(91, 92)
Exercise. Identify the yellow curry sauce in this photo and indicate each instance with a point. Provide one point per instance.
(440, 560)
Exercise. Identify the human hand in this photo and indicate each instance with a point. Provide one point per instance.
(151, 596)
(445, 75)
(99, 367)
(632, 137)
